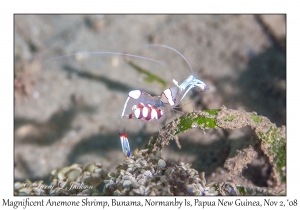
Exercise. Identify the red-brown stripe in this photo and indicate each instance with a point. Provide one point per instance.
(123, 134)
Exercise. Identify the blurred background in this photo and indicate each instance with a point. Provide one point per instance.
(67, 109)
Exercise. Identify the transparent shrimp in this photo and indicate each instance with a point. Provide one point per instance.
(141, 105)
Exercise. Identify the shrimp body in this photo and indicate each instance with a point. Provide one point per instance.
(141, 105)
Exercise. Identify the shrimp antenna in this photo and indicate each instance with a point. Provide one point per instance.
(168, 47)
(108, 53)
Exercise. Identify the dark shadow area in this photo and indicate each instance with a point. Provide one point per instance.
(96, 144)
(48, 132)
(112, 85)
(260, 86)
(256, 174)
(208, 157)
(259, 170)
(279, 44)
(102, 144)
(22, 165)
(263, 85)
